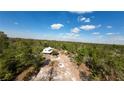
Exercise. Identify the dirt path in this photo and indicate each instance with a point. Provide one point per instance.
(59, 69)
(24, 75)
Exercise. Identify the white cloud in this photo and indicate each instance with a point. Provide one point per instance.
(109, 33)
(87, 20)
(112, 33)
(81, 12)
(56, 26)
(118, 37)
(109, 26)
(115, 39)
(88, 27)
(69, 36)
(75, 30)
(83, 19)
(95, 33)
(72, 35)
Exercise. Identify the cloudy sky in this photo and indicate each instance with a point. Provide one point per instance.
(80, 26)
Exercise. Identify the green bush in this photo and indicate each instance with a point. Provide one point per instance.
(55, 53)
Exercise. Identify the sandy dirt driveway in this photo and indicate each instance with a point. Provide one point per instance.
(59, 69)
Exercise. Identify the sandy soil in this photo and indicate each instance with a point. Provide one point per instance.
(59, 69)
(22, 76)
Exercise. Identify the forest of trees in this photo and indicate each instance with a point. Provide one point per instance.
(16, 55)
(106, 62)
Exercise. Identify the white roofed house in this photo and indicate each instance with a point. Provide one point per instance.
(47, 50)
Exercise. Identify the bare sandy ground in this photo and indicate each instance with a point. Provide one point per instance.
(59, 69)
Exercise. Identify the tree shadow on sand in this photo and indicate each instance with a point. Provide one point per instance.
(46, 62)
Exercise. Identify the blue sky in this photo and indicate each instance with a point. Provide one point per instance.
(80, 26)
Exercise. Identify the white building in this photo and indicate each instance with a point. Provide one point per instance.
(47, 50)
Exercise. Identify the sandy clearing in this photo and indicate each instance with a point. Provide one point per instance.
(61, 70)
